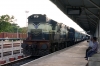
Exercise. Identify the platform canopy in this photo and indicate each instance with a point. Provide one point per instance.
(86, 13)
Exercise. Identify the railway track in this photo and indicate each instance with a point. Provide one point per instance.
(20, 61)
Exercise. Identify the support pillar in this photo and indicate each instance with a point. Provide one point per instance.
(99, 32)
(96, 32)
(99, 27)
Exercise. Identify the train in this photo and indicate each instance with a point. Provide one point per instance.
(46, 36)
(13, 35)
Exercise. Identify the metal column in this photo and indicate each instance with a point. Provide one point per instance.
(99, 32)
(99, 27)
(96, 32)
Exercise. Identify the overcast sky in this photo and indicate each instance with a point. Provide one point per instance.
(18, 8)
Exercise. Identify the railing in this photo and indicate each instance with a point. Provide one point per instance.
(10, 47)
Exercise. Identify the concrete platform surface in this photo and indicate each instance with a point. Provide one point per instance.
(72, 56)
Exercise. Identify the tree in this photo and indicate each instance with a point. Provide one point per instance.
(4, 26)
(23, 30)
(5, 23)
(6, 18)
(14, 28)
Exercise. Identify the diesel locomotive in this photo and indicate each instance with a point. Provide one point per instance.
(46, 36)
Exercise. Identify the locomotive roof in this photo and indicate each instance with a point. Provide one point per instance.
(36, 15)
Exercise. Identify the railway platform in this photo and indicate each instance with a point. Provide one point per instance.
(71, 56)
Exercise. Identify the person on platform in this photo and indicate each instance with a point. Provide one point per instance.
(90, 46)
(94, 48)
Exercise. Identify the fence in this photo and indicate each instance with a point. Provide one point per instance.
(9, 48)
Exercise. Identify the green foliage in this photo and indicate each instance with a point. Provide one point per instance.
(4, 26)
(6, 18)
(7, 25)
(5, 22)
(23, 30)
(14, 28)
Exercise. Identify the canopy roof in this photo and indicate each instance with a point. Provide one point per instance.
(84, 12)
